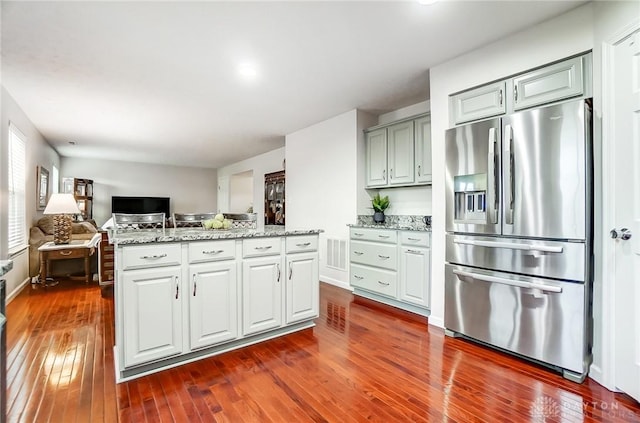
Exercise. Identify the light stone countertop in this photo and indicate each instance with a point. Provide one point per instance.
(394, 226)
(147, 236)
(5, 266)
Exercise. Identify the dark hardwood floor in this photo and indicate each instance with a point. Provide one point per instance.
(359, 363)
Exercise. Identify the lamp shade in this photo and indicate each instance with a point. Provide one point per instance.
(62, 204)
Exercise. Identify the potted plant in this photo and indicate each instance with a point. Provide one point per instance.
(380, 204)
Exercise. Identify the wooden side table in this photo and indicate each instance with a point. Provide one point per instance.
(75, 249)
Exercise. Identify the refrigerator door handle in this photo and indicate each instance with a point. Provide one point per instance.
(504, 281)
(492, 186)
(510, 245)
(508, 176)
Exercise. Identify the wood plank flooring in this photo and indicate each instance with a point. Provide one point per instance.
(359, 363)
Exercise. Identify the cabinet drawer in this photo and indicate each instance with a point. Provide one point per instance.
(419, 239)
(295, 244)
(257, 247)
(212, 251)
(65, 253)
(374, 254)
(378, 235)
(139, 256)
(383, 282)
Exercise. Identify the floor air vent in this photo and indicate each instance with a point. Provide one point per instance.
(337, 253)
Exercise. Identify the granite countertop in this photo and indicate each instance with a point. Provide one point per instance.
(395, 222)
(147, 236)
(394, 226)
(5, 266)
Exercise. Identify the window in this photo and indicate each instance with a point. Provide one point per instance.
(55, 180)
(17, 183)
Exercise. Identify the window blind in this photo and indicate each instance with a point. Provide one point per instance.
(17, 186)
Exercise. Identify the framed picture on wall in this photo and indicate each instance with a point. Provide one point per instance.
(42, 189)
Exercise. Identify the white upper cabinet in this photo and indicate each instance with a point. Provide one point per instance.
(545, 85)
(479, 103)
(399, 154)
(376, 150)
(422, 128)
(400, 147)
(551, 83)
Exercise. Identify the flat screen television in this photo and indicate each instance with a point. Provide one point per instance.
(140, 205)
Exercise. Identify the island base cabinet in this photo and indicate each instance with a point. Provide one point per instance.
(212, 303)
(261, 294)
(152, 308)
(302, 287)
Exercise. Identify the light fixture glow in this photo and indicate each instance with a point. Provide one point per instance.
(248, 71)
(427, 2)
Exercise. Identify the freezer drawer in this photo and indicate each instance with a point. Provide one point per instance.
(552, 259)
(537, 318)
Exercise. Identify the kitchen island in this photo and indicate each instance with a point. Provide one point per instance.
(184, 294)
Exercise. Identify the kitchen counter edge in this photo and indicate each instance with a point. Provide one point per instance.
(393, 227)
(149, 236)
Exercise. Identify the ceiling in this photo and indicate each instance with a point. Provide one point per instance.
(158, 82)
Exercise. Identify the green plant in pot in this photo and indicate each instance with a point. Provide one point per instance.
(379, 204)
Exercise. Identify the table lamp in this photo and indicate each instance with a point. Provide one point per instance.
(62, 206)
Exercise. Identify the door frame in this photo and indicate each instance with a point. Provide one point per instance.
(606, 373)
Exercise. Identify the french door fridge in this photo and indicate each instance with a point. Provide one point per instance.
(519, 227)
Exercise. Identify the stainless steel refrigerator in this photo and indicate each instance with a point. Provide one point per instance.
(519, 221)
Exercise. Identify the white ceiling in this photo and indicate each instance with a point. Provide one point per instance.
(157, 81)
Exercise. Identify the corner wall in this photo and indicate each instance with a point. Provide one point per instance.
(322, 181)
(39, 153)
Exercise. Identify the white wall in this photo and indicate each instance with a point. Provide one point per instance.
(191, 189)
(322, 181)
(240, 192)
(39, 153)
(552, 40)
(271, 161)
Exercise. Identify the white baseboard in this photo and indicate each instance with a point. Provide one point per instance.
(11, 295)
(335, 282)
(436, 321)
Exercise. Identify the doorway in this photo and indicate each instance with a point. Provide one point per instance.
(241, 192)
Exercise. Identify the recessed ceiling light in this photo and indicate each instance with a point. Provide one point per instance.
(248, 71)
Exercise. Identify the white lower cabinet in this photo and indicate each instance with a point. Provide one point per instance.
(415, 265)
(302, 294)
(261, 294)
(206, 297)
(213, 297)
(152, 312)
(392, 267)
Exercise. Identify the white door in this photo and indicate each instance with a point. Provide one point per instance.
(401, 153)
(261, 294)
(152, 312)
(302, 286)
(376, 161)
(212, 303)
(626, 174)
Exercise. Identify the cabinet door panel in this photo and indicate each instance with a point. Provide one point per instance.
(376, 158)
(213, 303)
(415, 274)
(261, 294)
(152, 307)
(423, 149)
(479, 103)
(551, 83)
(302, 287)
(401, 153)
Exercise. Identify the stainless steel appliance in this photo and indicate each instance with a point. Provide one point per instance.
(519, 224)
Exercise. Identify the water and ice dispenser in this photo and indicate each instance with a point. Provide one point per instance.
(470, 193)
